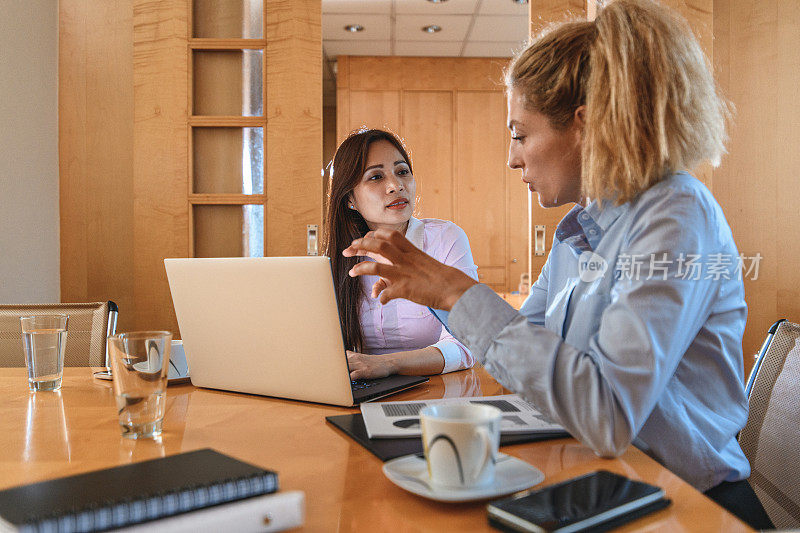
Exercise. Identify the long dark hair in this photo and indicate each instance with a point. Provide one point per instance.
(343, 225)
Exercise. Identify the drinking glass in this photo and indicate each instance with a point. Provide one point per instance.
(139, 363)
(44, 338)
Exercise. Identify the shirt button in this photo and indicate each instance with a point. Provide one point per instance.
(584, 216)
(592, 232)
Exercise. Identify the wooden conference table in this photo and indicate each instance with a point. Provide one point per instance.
(52, 434)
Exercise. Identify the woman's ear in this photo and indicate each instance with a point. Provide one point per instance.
(579, 121)
(350, 201)
(579, 118)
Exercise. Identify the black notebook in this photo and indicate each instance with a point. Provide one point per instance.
(139, 492)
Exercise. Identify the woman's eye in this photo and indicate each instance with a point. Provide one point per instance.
(374, 177)
(518, 137)
(402, 172)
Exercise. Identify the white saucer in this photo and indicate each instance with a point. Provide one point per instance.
(511, 475)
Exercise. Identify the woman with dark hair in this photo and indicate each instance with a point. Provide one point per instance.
(372, 187)
(632, 334)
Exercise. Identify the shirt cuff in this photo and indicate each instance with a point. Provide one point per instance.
(452, 355)
(478, 317)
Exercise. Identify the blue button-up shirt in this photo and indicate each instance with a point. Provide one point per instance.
(632, 333)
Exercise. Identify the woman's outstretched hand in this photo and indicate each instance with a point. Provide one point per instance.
(406, 271)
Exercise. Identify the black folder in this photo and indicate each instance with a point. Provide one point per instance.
(386, 449)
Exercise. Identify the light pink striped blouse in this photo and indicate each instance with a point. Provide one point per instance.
(402, 325)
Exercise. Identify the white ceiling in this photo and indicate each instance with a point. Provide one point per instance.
(470, 28)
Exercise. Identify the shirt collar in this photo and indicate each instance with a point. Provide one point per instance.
(583, 228)
(416, 233)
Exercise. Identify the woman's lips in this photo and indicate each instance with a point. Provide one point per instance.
(398, 205)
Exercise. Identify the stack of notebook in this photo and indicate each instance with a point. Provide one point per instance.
(185, 492)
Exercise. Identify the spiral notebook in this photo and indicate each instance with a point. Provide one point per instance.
(131, 494)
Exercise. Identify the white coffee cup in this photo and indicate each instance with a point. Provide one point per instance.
(460, 443)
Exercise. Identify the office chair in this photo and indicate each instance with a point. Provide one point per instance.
(771, 438)
(89, 326)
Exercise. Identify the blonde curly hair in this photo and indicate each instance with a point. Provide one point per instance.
(652, 106)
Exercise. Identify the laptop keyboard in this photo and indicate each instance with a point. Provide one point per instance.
(361, 384)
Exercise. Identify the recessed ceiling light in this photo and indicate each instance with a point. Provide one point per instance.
(520, 1)
(437, 1)
(433, 28)
(354, 28)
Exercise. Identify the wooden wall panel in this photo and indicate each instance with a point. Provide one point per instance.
(544, 12)
(96, 153)
(218, 82)
(428, 132)
(72, 147)
(218, 230)
(218, 19)
(294, 123)
(342, 98)
(756, 56)
(217, 165)
(329, 144)
(481, 208)
(374, 109)
(160, 178)
(423, 73)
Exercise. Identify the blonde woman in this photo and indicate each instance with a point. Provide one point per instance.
(621, 341)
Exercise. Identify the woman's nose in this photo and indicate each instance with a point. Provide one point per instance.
(393, 184)
(513, 160)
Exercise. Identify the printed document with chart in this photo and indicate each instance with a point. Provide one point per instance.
(390, 420)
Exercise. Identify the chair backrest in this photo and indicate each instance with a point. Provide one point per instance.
(89, 326)
(771, 438)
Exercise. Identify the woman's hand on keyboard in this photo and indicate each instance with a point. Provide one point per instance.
(365, 366)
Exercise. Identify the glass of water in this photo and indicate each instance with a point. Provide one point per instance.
(44, 338)
(139, 364)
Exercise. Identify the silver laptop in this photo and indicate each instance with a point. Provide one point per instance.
(268, 326)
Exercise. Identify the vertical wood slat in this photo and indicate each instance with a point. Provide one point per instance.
(293, 135)
(427, 129)
(72, 50)
(96, 153)
(375, 109)
(481, 183)
(161, 159)
(342, 98)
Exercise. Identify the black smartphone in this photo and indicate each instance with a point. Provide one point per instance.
(597, 501)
